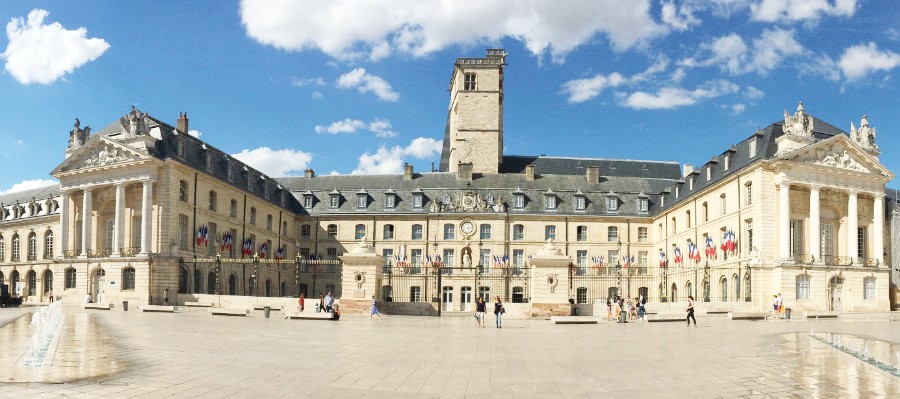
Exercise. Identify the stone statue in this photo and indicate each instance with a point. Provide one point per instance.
(800, 124)
(865, 135)
(467, 258)
(78, 136)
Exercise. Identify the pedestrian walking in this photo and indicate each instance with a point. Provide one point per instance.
(479, 312)
(374, 311)
(498, 312)
(608, 309)
(301, 302)
(642, 310)
(690, 311)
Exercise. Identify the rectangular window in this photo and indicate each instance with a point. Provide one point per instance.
(869, 288)
(183, 232)
(581, 233)
(361, 201)
(518, 259)
(749, 196)
(580, 203)
(612, 234)
(749, 233)
(388, 255)
(642, 234)
(305, 231)
(519, 201)
(752, 147)
(861, 244)
(612, 258)
(416, 257)
(335, 202)
(417, 232)
(642, 258)
(449, 258)
(612, 204)
(581, 258)
(550, 202)
(643, 205)
(802, 287)
(331, 253)
(549, 233)
(332, 231)
(470, 83)
(796, 237)
(417, 201)
(389, 201)
(212, 233)
(485, 259)
(307, 201)
(724, 203)
(388, 232)
(360, 231)
(485, 232)
(826, 234)
(449, 231)
(415, 294)
(518, 232)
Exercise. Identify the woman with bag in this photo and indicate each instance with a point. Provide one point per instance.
(499, 311)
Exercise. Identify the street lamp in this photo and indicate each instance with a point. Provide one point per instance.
(618, 267)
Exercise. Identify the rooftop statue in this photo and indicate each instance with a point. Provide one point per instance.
(800, 124)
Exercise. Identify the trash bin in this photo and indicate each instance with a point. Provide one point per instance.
(623, 317)
(577, 311)
(125, 306)
(787, 313)
(266, 310)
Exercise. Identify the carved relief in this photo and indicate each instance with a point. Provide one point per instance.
(136, 122)
(835, 157)
(831, 198)
(78, 136)
(800, 124)
(466, 202)
(865, 135)
(107, 155)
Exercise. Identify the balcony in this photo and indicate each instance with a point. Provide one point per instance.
(870, 262)
(803, 259)
(832, 260)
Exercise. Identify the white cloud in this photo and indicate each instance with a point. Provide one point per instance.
(348, 29)
(737, 108)
(275, 163)
(39, 53)
(863, 59)
(679, 18)
(732, 54)
(316, 94)
(673, 97)
(752, 93)
(366, 82)
(29, 185)
(301, 82)
(195, 133)
(800, 10)
(381, 127)
(390, 160)
(581, 90)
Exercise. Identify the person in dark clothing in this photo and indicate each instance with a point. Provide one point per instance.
(690, 311)
(498, 312)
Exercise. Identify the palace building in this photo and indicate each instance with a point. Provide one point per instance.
(146, 213)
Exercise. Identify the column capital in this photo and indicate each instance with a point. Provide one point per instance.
(815, 186)
(878, 196)
(88, 189)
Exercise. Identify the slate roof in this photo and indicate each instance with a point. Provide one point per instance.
(24, 197)
(577, 166)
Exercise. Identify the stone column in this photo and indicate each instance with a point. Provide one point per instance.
(64, 223)
(118, 228)
(852, 217)
(86, 212)
(361, 271)
(146, 221)
(815, 229)
(784, 221)
(550, 281)
(878, 239)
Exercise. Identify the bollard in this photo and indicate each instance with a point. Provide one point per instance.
(623, 317)
(125, 306)
(266, 310)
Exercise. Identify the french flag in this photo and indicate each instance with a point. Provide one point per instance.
(677, 256)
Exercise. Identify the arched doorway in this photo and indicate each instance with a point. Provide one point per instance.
(211, 283)
(14, 282)
(724, 287)
(31, 283)
(835, 294)
(182, 280)
(232, 285)
(98, 285)
(48, 281)
(689, 288)
(674, 293)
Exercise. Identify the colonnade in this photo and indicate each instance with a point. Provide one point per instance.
(118, 238)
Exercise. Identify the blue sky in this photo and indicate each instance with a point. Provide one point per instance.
(361, 86)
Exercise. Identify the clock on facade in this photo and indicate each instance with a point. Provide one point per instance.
(467, 227)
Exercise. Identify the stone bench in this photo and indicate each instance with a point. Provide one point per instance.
(229, 311)
(573, 319)
(747, 315)
(271, 307)
(157, 308)
(98, 306)
(198, 304)
(718, 312)
(667, 317)
(309, 315)
(819, 315)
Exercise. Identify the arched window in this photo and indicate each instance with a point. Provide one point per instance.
(183, 191)
(283, 290)
(388, 233)
(198, 281)
(15, 248)
(706, 290)
(269, 222)
(48, 244)
(747, 287)
(182, 280)
(2, 248)
(70, 277)
(518, 295)
(213, 201)
(13, 280)
(211, 283)
(253, 216)
(869, 288)
(723, 284)
(360, 231)
(303, 289)
(31, 281)
(673, 294)
(268, 287)
(48, 281)
(128, 276)
(736, 283)
(232, 208)
(32, 246)
(232, 284)
(662, 293)
(689, 289)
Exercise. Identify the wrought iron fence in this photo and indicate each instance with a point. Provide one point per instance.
(431, 283)
(831, 260)
(260, 277)
(871, 262)
(717, 283)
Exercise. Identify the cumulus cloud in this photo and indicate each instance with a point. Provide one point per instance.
(365, 82)
(732, 54)
(275, 163)
(348, 29)
(381, 127)
(26, 185)
(752, 93)
(679, 18)
(390, 160)
(195, 133)
(301, 82)
(581, 90)
(42, 53)
(800, 10)
(859, 61)
(673, 97)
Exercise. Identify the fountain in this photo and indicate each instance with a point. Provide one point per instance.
(44, 325)
(862, 350)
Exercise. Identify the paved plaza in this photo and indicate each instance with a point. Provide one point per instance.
(115, 354)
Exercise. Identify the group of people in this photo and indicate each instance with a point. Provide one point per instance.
(634, 309)
(326, 303)
(778, 306)
(481, 309)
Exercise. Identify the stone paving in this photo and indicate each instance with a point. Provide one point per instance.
(115, 354)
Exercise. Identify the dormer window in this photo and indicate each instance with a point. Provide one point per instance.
(612, 203)
(550, 200)
(179, 148)
(519, 201)
(752, 145)
(727, 161)
(390, 200)
(308, 200)
(691, 183)
(643, 204)
(228, 171)
(418, 199)
(579, 201)
(708, 173)
(677, 191)
(334, 199)
(362, 199)
(209, 159)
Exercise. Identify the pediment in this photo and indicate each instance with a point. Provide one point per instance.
(840, 153)
(100, 153)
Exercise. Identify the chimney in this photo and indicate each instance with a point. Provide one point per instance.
(688, 169)
(309, 173)
(464, 171)
(529, 172)
(182, 123)
(592, 173)
(407, 171)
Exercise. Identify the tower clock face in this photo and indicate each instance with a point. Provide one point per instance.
(467, 227)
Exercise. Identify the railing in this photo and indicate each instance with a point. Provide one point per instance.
(101, 253)
(70, 253)
(871, 262)
(130, 251)
(804, 259)
(831, 260)
(32, 256)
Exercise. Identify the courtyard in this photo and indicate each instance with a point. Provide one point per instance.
(116, 354)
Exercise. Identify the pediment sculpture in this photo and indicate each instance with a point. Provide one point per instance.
(836, 157)
(800, 124)
(107, 154)
(136, 122)
(78, 136)
(466, 202)
(865, 135)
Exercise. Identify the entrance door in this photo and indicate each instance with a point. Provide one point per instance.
(98, 290)
(447, 299)
(836, 303)
(612, 293)
(465, 294)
